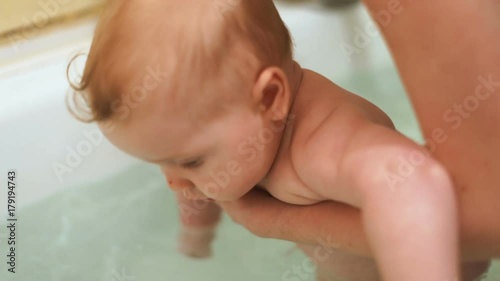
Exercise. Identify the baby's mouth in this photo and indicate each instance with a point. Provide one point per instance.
(195, 194)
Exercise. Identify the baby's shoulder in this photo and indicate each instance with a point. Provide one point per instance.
(317, 105)
(321, 104)
(326, 118)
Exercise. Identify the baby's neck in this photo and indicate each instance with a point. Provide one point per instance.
(295, 79)
(295, 74)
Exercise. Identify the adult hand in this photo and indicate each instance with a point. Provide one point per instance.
(329, 223)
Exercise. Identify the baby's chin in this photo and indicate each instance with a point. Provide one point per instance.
(196, 195)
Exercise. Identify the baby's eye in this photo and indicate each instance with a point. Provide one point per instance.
(192, 164)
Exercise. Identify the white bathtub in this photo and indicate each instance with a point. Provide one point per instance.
(39, 139)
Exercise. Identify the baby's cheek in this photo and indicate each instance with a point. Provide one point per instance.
(217, 181)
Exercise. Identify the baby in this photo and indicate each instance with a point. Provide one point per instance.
(209, 91)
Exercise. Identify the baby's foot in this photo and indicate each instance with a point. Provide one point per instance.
(196, 242)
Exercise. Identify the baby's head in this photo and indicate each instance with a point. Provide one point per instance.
(200, 87)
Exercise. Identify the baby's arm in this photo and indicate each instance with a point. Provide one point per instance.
(409, 213)
(198, 222)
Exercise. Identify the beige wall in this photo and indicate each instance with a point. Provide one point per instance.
(23, 15)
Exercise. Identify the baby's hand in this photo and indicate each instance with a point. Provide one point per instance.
(196, 242)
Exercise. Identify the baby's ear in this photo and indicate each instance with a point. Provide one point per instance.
(271, 94)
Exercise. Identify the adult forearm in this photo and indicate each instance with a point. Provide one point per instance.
(330, 224)
(440, 48)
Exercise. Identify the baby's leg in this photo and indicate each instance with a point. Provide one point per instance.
(198, 222)
(336, 265)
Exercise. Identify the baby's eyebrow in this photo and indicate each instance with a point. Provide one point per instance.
(185, 156)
